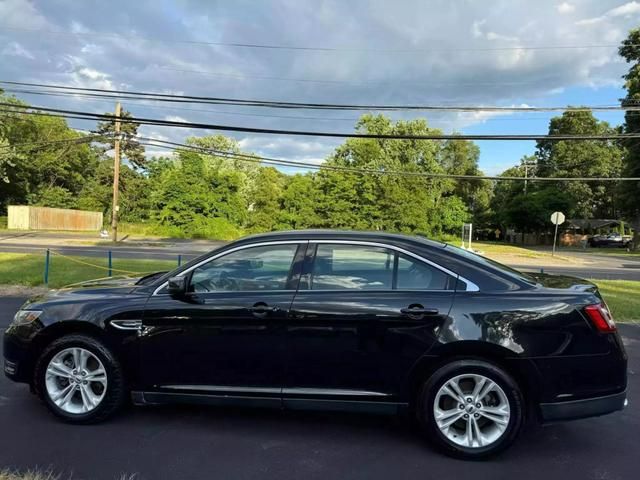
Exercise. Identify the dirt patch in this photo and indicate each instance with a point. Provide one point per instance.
(21, 291)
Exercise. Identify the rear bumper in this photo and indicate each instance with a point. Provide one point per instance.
(589, 407)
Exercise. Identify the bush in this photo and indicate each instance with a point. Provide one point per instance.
(3, 222)
(202, 228)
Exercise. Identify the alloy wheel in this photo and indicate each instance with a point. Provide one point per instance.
(76, 380)
(471, 410)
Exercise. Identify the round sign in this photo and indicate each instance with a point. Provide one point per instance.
(557, 218)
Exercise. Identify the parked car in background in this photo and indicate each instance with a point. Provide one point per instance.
(610, 240)
(355, 321)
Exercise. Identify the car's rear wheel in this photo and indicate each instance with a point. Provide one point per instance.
(471, 408)
(79, 379)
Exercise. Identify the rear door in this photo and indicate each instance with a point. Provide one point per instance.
(363, 315)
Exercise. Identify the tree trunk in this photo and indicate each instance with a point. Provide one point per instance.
(636, 233)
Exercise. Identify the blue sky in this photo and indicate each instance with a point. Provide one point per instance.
(455, 52)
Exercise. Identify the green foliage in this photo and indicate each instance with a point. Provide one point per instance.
(30, 174)
(581, 159)
(265, 207)
(55, 197)
(131, 150)
(205, 193)
(629, 192)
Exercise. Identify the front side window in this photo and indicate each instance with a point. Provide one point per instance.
(338, 267)
(249, 269)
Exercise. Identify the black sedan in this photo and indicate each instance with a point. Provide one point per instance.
(332, 320)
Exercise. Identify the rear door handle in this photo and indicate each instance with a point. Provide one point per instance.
(419, 311)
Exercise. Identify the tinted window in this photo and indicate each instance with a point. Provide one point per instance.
(352, 266)
(256, 268)
(416, 275)
(491, 263)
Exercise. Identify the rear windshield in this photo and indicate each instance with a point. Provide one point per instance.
(474, 257)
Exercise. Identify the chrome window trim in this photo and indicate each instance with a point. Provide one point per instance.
(231, 250)
(471, 287)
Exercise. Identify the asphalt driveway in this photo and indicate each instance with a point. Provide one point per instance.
(211, 443)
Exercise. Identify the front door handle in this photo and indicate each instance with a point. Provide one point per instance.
(262, 309)
(418, 310)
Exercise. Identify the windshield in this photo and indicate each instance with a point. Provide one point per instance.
(512, 272)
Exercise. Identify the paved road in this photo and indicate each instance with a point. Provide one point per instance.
(205, 443)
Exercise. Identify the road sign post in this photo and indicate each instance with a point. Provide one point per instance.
(557, 218)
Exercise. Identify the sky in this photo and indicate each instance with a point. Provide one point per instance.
(446, 52)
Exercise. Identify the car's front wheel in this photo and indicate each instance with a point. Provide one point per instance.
(79, 379)
(471, 408)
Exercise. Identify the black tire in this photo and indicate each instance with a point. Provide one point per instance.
(428, 393)
(115, 393)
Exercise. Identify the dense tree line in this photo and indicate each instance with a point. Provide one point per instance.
(198, 194)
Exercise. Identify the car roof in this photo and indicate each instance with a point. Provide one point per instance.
(342, 235)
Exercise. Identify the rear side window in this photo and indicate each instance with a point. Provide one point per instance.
(338, 267)
(416, 275)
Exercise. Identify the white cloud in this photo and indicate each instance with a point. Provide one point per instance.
(626, 10)
(476, 31)
(565, 7)
(175, 118)
(14, 49)
(92, 49)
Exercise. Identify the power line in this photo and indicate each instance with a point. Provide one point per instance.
(137, 101)
(142, 102)
(292, 163)
(79, 140)
(118, 94)
(272, 131)
(264, 46)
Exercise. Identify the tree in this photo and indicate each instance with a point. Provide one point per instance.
(385, 201)
(298, 202)
(264, 209)
(629, 192)
(130, 147)
(581, 159)
(41, 172)
(460, 157)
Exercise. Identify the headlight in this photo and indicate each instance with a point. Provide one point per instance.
(24, 317)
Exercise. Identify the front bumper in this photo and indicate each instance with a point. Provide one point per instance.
(589, 407)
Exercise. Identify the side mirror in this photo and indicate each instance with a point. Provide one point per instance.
(177, 286)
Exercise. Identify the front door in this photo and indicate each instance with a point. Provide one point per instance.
(363, 315)
(225, 336)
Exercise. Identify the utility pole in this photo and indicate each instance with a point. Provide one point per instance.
(526, 175)
(116, 176)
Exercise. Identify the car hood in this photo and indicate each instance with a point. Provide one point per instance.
(94, 290)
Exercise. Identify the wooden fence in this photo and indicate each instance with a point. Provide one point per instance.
(22, 217)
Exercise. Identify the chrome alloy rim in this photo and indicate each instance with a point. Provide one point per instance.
(76, 380)
(471, 410)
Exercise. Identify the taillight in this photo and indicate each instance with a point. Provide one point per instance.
(600, 317)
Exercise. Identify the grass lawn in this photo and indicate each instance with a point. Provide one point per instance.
(28, 269)
(499, 248)
(622, 297)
